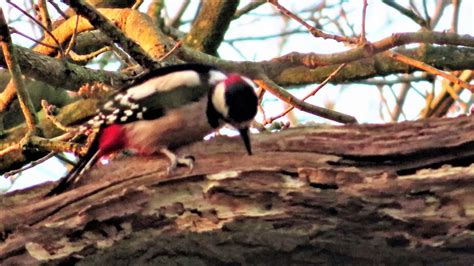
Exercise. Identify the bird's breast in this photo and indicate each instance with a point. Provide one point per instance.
(177, 127)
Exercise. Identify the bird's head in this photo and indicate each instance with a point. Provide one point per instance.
(235, 102)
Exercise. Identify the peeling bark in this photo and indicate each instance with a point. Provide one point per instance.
(359, 194)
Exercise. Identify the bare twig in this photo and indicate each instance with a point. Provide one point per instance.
(407, 12)
(283, 95)
(16, 77)
(398, 109)
(47, 110)
(440, 7)
(396, 39)
(14, 31)
(171, 51)
(40, 24)
(107, 27)
(17, 146)
(55, 5)
(137, 4)
(455, 18)
(362, 34)
(44, 14)
(30, 165)
(312, 93)
(430, 69)
(7, 96)
(315, 32)
(176, 21)
(73, 38)
(89, 56)
(249, 7)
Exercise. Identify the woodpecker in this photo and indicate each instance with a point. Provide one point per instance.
(165, 109)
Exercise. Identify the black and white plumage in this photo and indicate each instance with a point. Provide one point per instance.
(165, 109)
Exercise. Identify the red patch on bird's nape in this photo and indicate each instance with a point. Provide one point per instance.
(232, 79)
(112, 138)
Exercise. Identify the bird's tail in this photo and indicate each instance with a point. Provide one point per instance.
(86, 162)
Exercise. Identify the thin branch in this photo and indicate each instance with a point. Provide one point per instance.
(407, 12)
(171, 51)
(16, 76)
(285, 96)
(312, 93)
(40, 24)
(17, 146)
(107, 27)
(430, 69)
(440, 7)
(176, 21)
(46, 20)
(398, 109)
(89, 56)
(374, 81)
(362, 34)
(315, 32)
(30, 165)
(73, 38)
(48, 112)
(455, 18)
(137, 4)
(427, 14)
(7, 95)
(14, 31)
(396, 39)
(249, 7)
(265, 37)
(55, 5)
(384, 103)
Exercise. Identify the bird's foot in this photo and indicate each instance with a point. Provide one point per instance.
(176, 161)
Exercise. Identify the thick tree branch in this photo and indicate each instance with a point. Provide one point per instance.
(365, 193)
(105, 25)
(210, 25)
(60, 73)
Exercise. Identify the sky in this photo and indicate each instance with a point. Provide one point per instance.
(360, 101)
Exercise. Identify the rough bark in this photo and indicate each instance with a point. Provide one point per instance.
(359, 194)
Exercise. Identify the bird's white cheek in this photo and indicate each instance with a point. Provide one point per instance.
(218, 99)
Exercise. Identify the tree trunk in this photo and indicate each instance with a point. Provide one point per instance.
(359, 194)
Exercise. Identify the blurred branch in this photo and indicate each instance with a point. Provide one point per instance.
(430, 69)
(362, 34)
(374, 81)
(444, 100)
(408, 13)
(176, 21)
(440, 7)
(455, 18)
(398, 109)
(45, 19)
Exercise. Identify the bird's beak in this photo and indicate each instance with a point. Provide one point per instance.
(244, 134)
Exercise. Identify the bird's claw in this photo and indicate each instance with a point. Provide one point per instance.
(176, 161)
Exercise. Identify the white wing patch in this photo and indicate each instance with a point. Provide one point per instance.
(163, 83)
